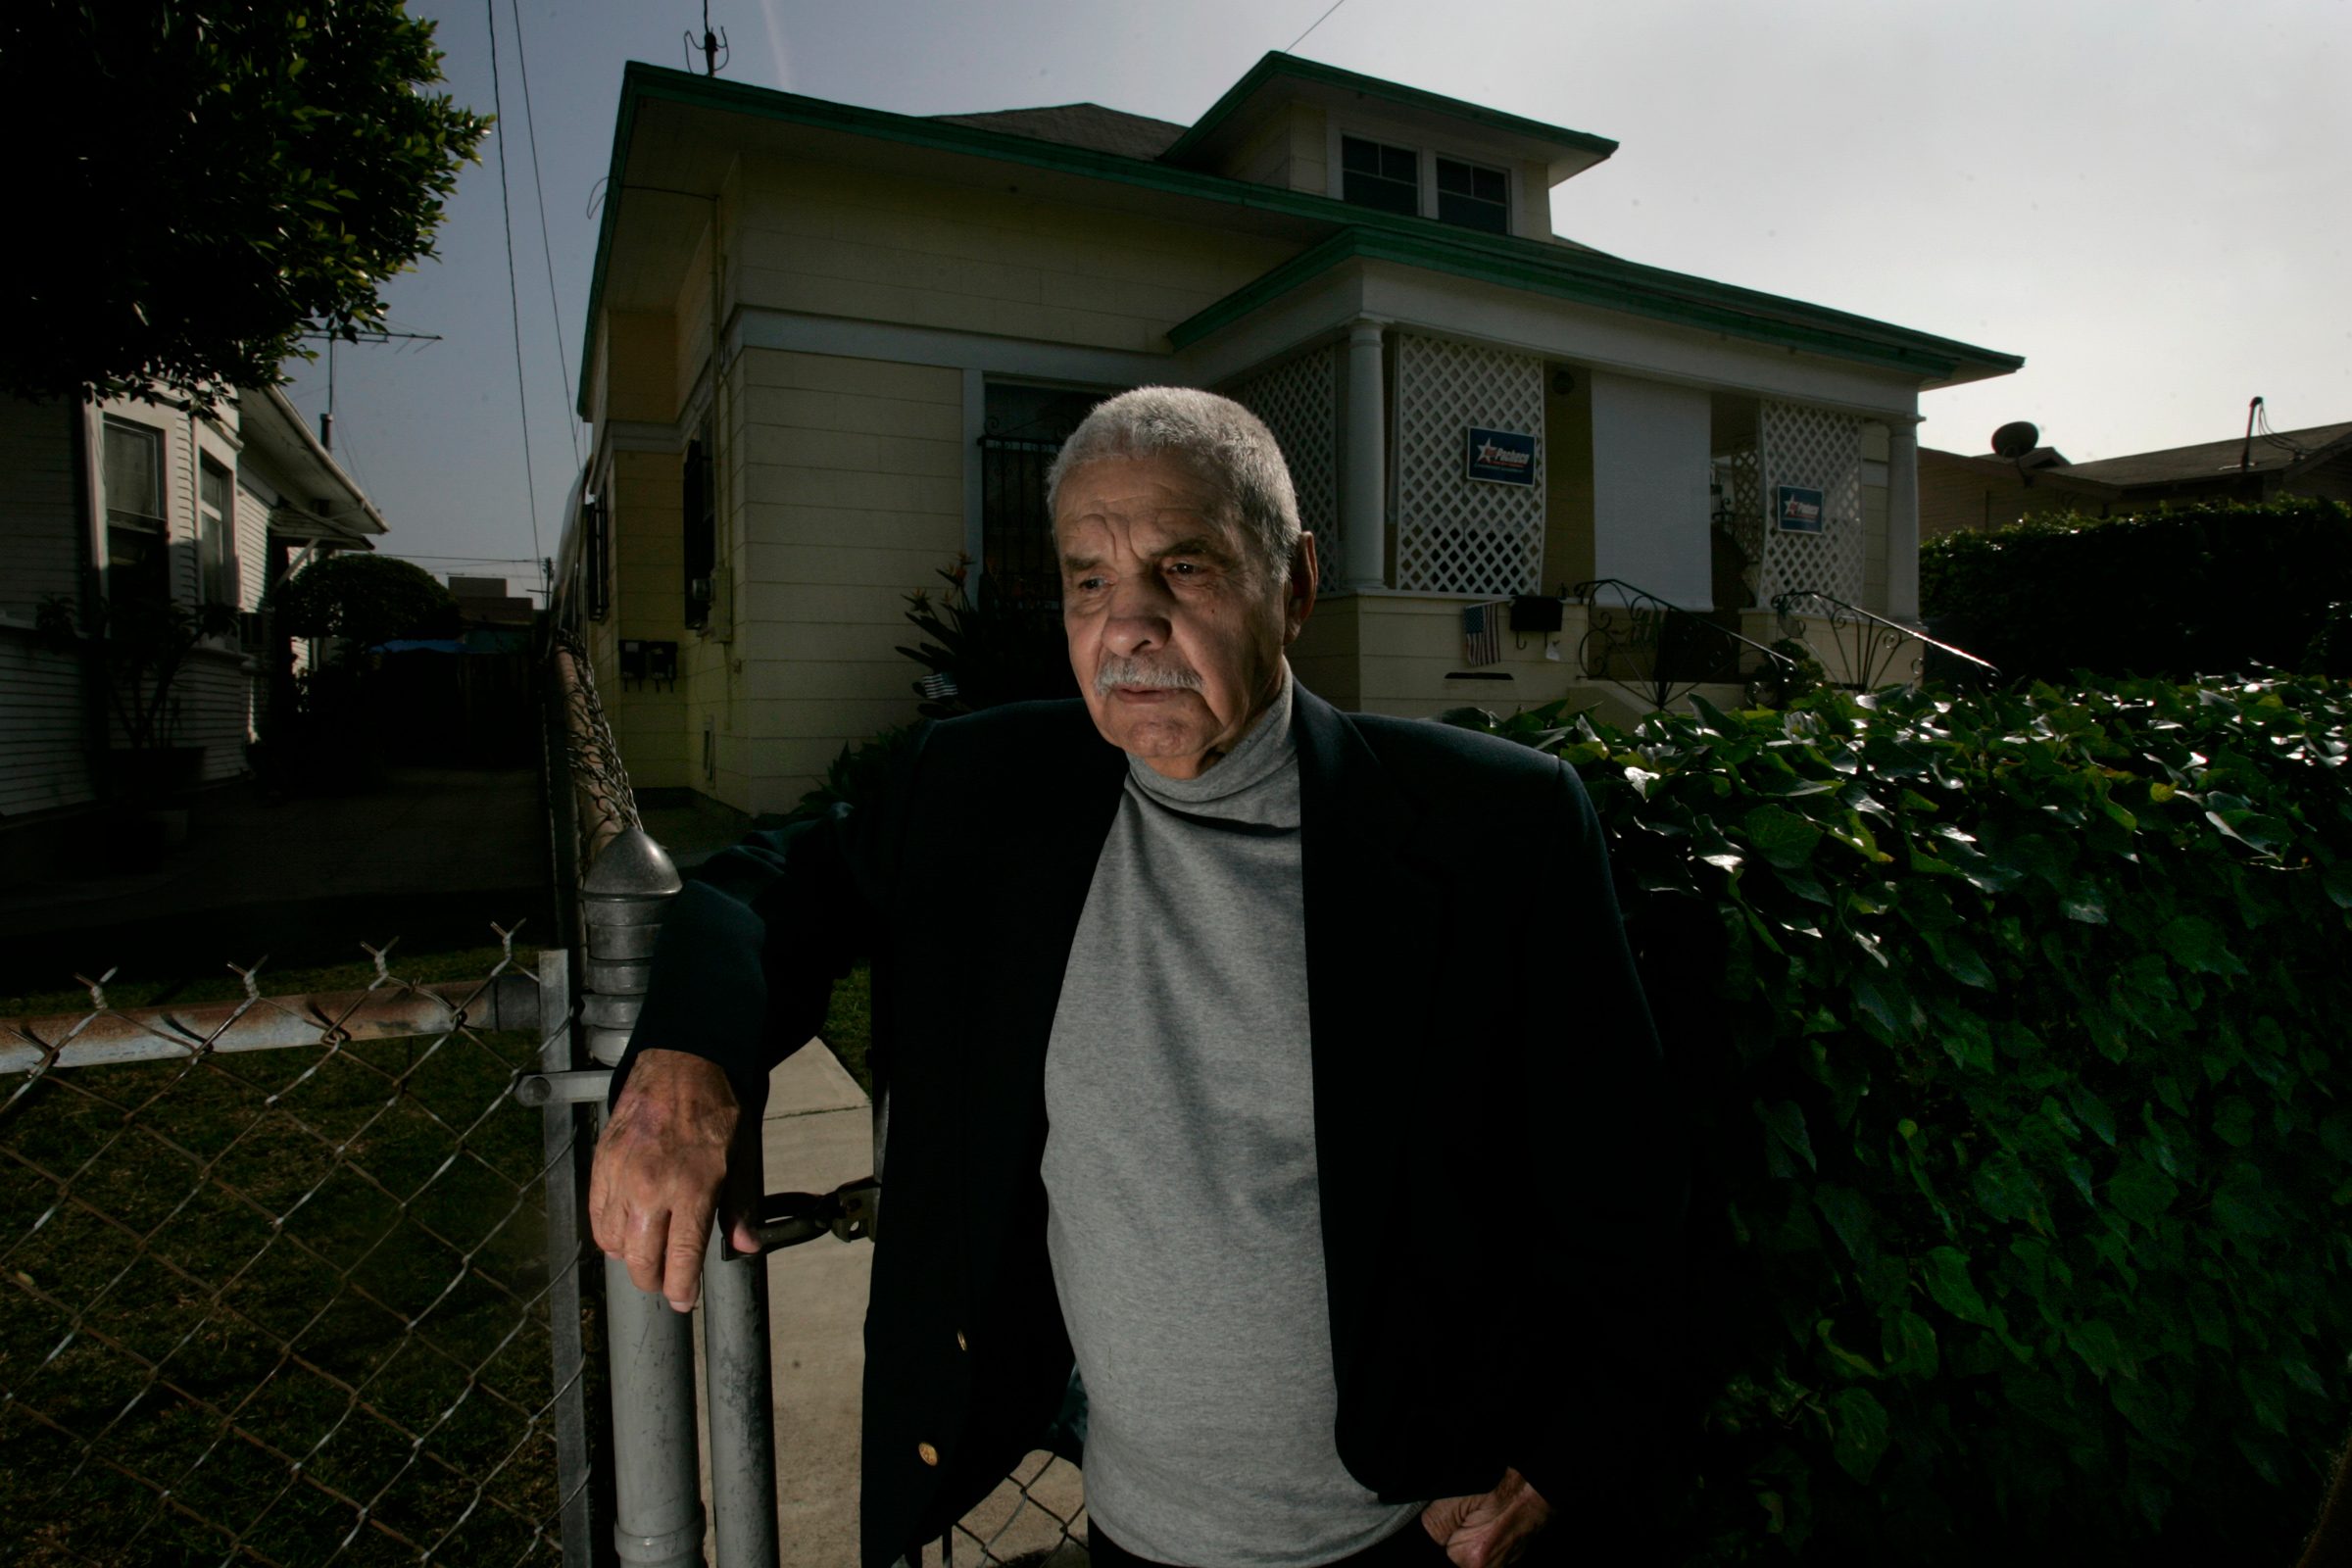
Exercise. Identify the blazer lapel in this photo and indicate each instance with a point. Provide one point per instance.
(1042, 861)
(1367, 1009)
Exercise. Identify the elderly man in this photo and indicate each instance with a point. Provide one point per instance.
(1285, 1070)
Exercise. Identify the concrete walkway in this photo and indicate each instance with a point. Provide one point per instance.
(819, 1134)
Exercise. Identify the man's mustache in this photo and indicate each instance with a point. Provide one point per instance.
(1136, 672)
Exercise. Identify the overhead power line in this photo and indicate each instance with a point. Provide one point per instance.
(1317, 22)
(530, 487)
(555, 307)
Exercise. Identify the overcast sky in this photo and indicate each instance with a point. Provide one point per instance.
(2144, 198)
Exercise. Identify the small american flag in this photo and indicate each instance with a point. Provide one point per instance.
(1482, 633)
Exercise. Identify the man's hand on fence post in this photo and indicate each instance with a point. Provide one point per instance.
(660, 1166)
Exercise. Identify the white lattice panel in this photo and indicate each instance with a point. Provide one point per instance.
(1455, 534)
(1821, 450)
(1299, 401)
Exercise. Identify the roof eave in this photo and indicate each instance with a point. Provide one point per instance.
(1589, 278)
(1560, 270)
(1274, 62)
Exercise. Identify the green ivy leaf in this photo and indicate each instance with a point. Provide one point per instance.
(2095, 1342)
(2141, 1191)
(1908, 1342)
(1858, 1431)
(1786, 1120)
(2197, 944)
(1785, 840)
(2091, 1110)
(1947, 1280)
(1855, 1365)
(2233, 1122)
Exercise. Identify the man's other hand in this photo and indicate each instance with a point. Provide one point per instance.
(1488, 1531)
(660, 1166)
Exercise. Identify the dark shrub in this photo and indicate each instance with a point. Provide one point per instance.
(2011, 1028)
(2206, 589)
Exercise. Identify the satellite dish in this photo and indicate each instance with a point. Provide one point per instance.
(2014, 439)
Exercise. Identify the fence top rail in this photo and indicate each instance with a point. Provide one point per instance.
(103, 1034)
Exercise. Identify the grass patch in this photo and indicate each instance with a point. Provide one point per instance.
(263, 1302)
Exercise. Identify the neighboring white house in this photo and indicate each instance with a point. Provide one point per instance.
(829, 348)
(110, 498)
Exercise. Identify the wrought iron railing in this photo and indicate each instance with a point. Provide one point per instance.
(1658, 653)
(1869, 643)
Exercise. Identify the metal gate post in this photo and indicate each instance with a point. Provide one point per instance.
(559, 1123)
(658, 1508)
(739, 1399)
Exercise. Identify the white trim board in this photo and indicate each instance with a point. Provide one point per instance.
(754, 328)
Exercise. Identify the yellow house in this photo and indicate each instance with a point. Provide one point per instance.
(829, 350)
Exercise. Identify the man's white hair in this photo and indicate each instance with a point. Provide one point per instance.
(1225, 445)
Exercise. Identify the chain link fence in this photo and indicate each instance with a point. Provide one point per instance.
(277, 1279)
(294, 1280)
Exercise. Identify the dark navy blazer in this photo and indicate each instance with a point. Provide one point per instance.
(1500, 1179)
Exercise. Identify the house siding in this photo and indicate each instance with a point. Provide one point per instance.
(45, 765)
(856, 243)
(856, 501)
(647, 602)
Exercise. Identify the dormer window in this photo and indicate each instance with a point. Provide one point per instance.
(1373, 174)
(1391, 180)
(1473, 197)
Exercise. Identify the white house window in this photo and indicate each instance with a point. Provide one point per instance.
(1374, 175)
(1473, 197)
(216, 535)
(137, 534)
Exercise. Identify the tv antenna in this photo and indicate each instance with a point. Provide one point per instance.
(714, 49)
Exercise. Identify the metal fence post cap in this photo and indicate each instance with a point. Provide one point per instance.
(631, 866)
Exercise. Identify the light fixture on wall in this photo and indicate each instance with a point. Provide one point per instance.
(1563, 382)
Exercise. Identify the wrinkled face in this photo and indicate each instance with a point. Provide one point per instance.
(1176, 633)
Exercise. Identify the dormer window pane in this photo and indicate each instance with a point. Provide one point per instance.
(1388, 179)
(1473, 197)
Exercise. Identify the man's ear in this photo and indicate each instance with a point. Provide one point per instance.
(1299, 594)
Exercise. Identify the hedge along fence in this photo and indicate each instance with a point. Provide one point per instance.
(2020, 1110)
(2179, 592)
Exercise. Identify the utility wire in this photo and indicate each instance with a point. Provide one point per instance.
(1317, 22)
(475, 561)
(522, 65)
(530, 487)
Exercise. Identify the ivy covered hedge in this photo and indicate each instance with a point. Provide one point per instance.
(2203, 589)
(2012, 1031)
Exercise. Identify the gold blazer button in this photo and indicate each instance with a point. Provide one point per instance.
(927, 1453)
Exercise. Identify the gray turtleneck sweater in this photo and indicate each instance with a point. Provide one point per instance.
(1183, 1218)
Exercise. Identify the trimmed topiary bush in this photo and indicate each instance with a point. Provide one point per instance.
(2206, 589)
(2011, 1029)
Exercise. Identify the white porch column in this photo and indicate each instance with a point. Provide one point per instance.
(1903, 520)
(1364, 468)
